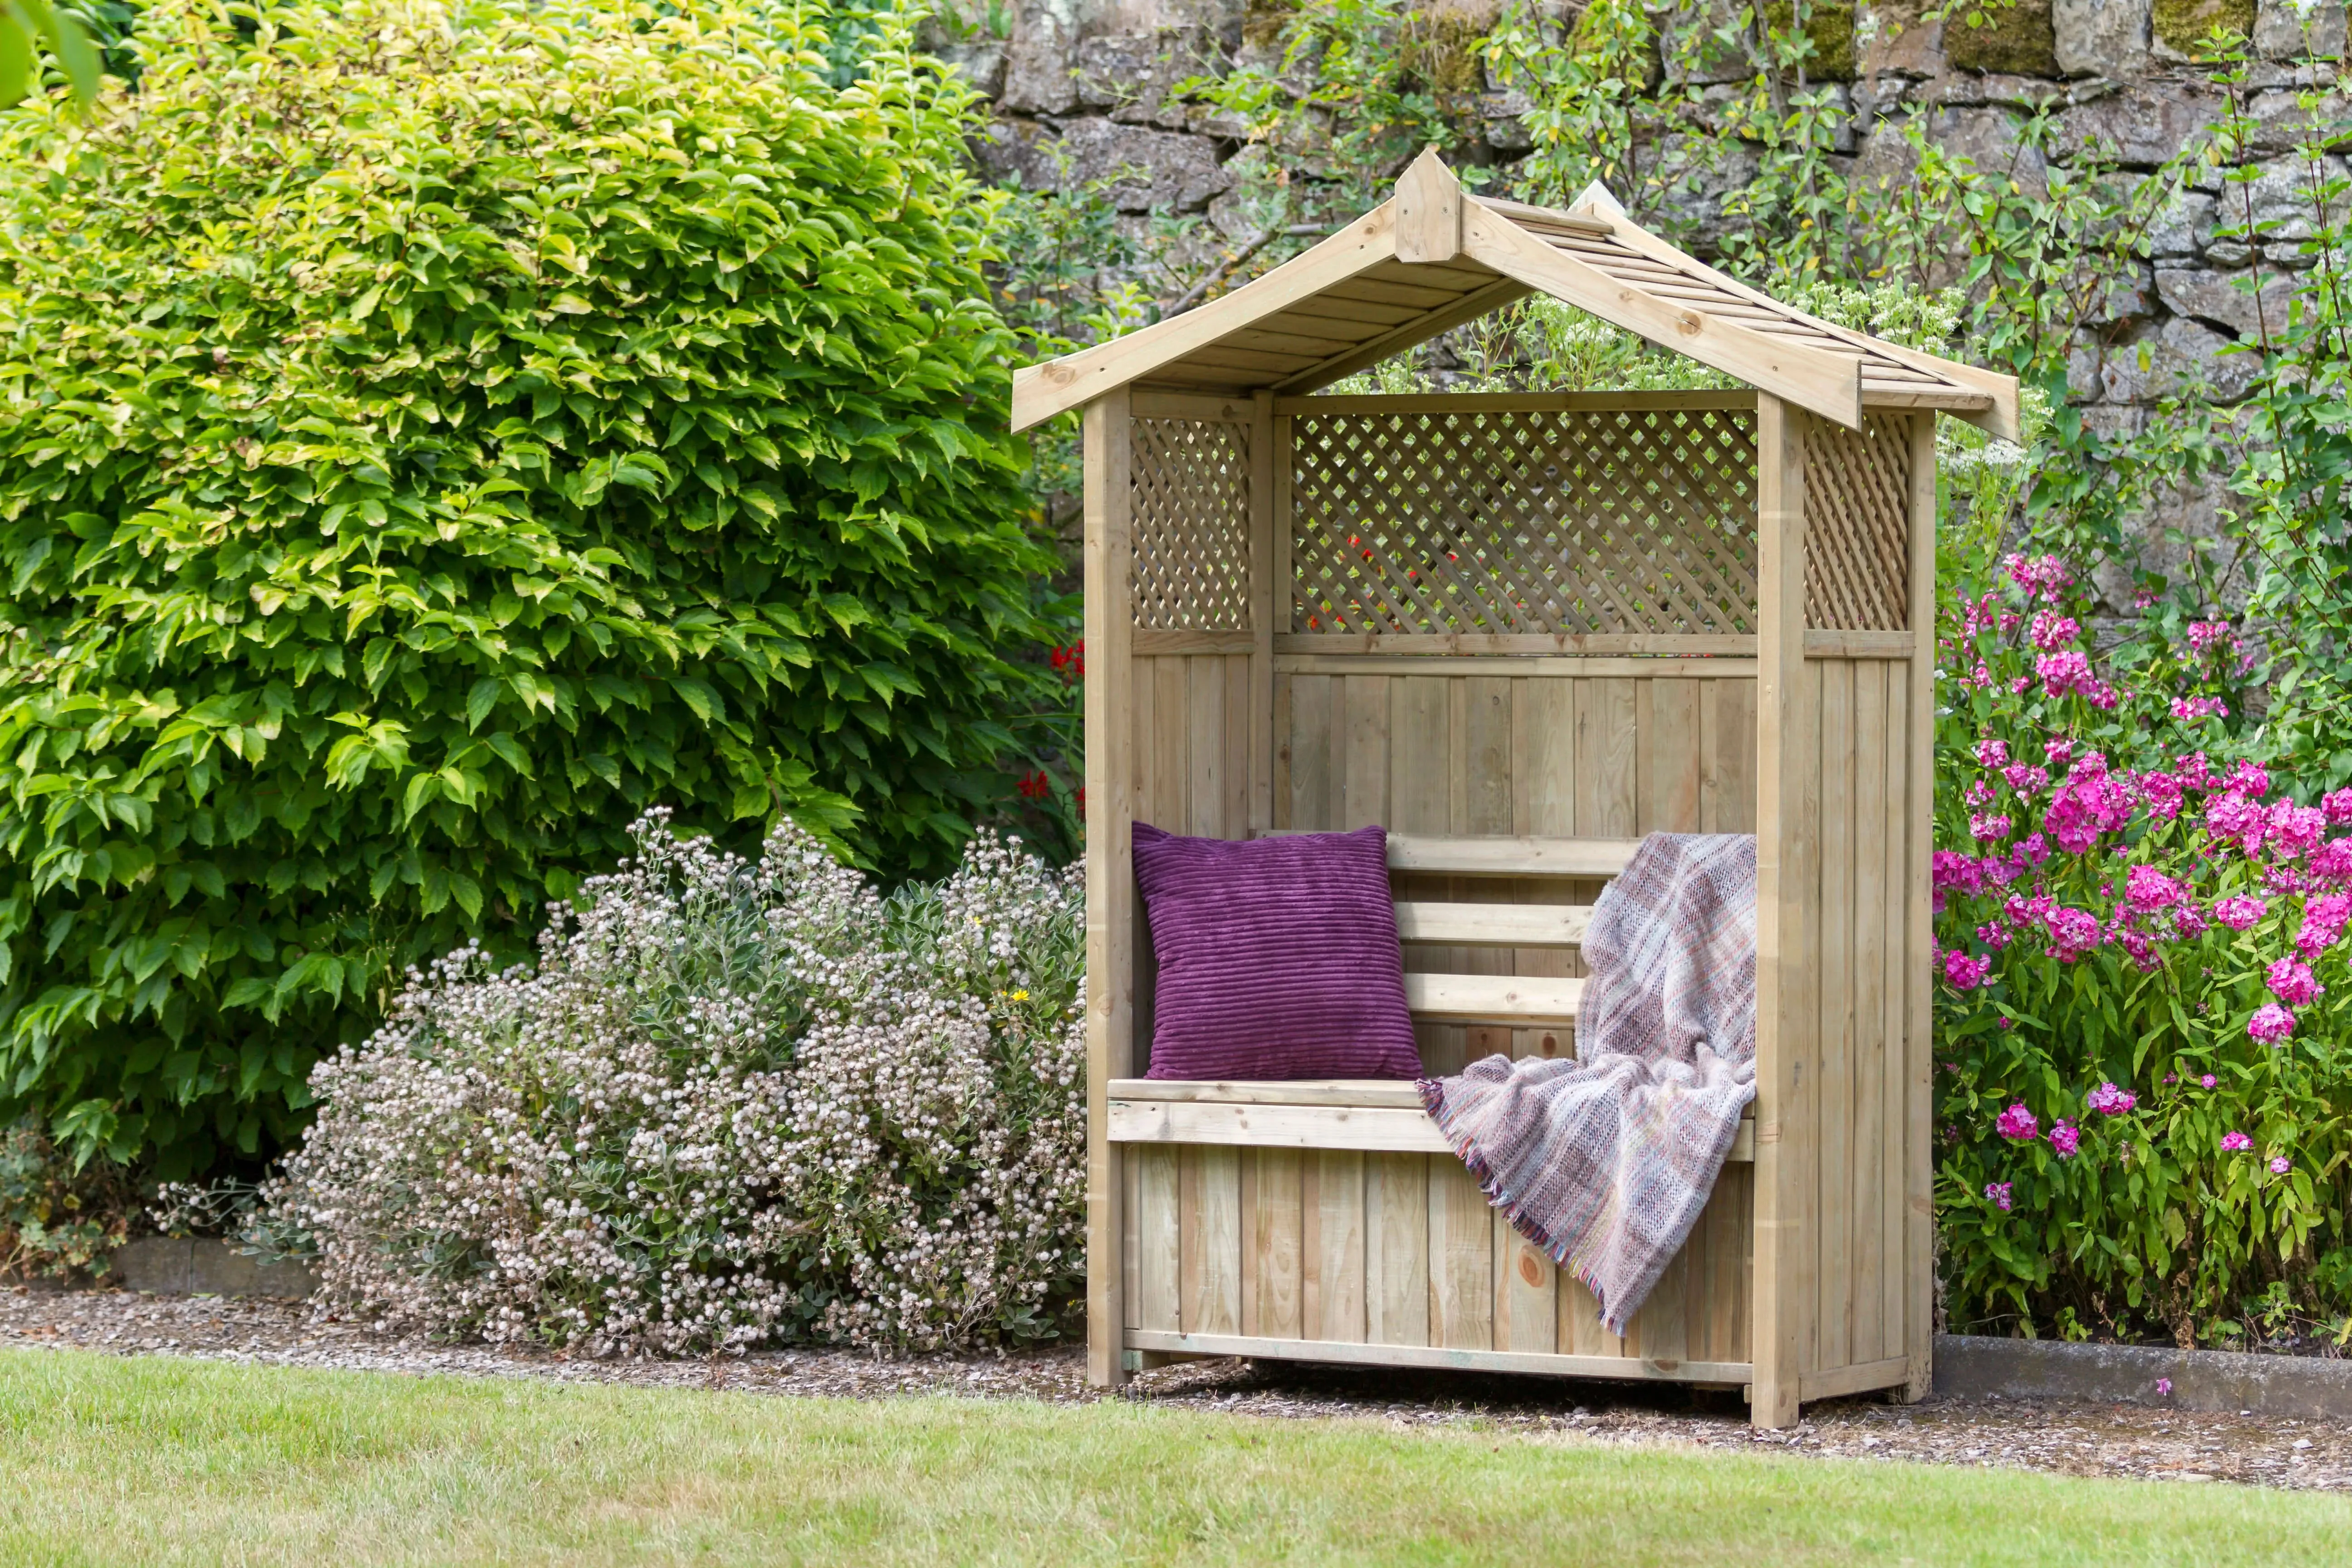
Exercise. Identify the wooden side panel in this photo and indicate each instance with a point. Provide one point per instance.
(1856, 1057)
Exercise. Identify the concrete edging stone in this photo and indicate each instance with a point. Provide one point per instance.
(204, 1265)
(1970, 1366)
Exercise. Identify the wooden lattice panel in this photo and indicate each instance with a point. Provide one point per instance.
(1191, 525)
(1857, 496)
(1498, 521)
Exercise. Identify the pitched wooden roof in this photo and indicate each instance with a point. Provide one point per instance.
(1434, 257)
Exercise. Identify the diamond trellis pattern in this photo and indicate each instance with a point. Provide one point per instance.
(1578, 521)
(1857, 496)
(1192, 517)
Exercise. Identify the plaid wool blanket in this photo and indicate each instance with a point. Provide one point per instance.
(1604, 1160)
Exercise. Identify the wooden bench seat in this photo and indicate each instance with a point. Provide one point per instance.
(1375, 1115)
(1384, 1116)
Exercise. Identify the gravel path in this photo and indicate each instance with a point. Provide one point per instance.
(2073, 1439)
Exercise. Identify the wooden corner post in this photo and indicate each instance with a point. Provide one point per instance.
(1108, 453)
(1918, 1065)
(1786, 809)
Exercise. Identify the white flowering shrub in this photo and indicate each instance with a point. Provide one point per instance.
(735, 1103)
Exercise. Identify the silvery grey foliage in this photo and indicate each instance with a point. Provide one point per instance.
(735, 1103)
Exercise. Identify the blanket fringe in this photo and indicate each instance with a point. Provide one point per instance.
(1433, 1099)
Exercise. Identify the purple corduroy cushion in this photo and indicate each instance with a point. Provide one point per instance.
(1278, 957)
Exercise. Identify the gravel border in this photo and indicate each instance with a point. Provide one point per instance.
(2119, 1440)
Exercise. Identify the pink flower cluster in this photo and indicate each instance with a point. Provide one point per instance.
(2018, 1124)
(2192, 708)
(2234, 1142)
(2068, 673)
(2109, 1100)
(2065, 1138)
(1964, 973)
(2271, 1024)
(2043, 577)
(1997, 1195)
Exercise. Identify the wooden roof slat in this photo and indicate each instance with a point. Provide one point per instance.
(1380, 291)
(1349, 310)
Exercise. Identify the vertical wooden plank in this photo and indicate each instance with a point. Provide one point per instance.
(1894, 1088)
(1838, 1160)
(1154, 1225)
(1729, 1220)
(1918, 1052)
(1332, 1296)
(1285, 592)
(1209, 1264)
(1607, 775)
(1396, 1248)
(1543, 776)
(1421, 761)
(1144, 746)
(1204, 743)
(1422, 766)
(1257, 675)
(1366, 782)
(1785, 810)
(1875, 1175)
(1526, 1292)
(1734, 713)
(1171, 742)
(1661, 1329)
(1487, 754)
(1579, 1329)
(1309, 749)
(1278, 1244)
(1108, 452)
(1543, 803)
(1245, 706)
(1460, 1260)
(1673, 781)
(1284, 740)
(1130, 1243)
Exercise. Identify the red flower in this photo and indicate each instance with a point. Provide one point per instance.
(1071, 661)
(1036, 786)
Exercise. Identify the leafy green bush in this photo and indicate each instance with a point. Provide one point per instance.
(426, 441)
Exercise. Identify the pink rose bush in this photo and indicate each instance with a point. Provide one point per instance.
(2141, 925)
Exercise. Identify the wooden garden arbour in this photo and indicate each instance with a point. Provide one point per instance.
(1519, 631)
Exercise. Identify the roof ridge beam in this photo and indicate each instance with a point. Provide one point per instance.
(1826, 383)
(1042, 391)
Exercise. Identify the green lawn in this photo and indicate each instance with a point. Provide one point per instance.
(112, 1461)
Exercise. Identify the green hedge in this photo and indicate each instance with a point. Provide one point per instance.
(426, 442)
